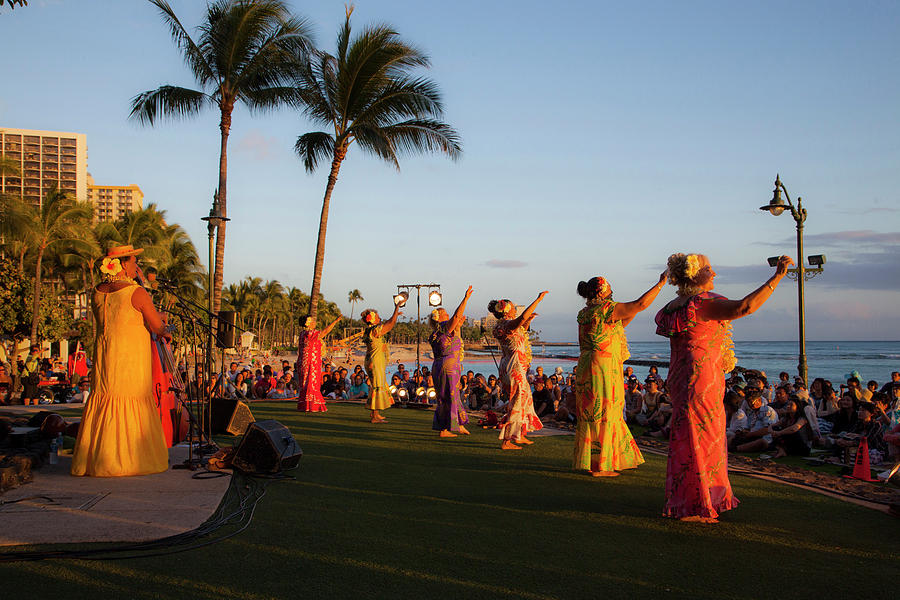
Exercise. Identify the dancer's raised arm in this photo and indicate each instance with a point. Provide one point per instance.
(625, 311)
(526, 314)
(389, 324)
(328, 329)
(460, 315)
(722, 309)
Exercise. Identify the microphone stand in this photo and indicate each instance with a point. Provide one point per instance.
(188, 314)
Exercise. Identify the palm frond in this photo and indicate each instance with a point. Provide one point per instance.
(166, 100)
(313, 148)
(193, 55)
(419, 136)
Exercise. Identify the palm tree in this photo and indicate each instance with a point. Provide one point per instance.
(58, 220)
(353, 297)
(366, 94)
(246, 51)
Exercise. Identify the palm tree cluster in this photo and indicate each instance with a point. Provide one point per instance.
(256, 53)
(58, 247)
(272, 312)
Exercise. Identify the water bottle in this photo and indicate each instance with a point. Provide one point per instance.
(54, 452)
(60, 443)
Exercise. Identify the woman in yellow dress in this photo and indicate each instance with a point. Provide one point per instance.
(121, 433)
(377, 354)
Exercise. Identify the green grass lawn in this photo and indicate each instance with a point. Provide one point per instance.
(391, 511)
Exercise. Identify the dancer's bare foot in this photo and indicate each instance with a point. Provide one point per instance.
(604, 474)
(463, 430)
(696, 519)
(523, 440)
(508, 445)
(446, 433)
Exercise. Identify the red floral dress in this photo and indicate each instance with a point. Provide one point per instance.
(520, 417)
(309, 373)
(697, 473)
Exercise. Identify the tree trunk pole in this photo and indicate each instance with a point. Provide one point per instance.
(340, 152)
(218, 273)
(36, 306)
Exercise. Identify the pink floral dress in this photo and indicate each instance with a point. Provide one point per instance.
(520, 417)
(603, 441)
(697, 473)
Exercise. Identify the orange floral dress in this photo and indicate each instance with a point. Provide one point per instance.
(520, 417)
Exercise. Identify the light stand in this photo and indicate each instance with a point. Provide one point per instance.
(212, 225)
(434, 299)
(800, 274)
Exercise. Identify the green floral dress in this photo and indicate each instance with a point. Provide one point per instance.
(377, 353)
(602, 439)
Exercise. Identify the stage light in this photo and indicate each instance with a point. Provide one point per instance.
(401, 298)
(402, 393)
(817, 260)
(434, 298)
(432, 394)
(392, 389)
(773, 261)
(420, 392)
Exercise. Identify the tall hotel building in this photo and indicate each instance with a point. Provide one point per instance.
(112, 202)
(45, 159)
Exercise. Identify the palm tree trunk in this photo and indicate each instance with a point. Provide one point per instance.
(340, 153)
(22, 259)
(218, 272)
(36, 307)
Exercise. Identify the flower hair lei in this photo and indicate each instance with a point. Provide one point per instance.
(111, 270)
(370, 317)
(692, 266)
(436, 316)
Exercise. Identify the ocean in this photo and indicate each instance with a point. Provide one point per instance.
(831, 360)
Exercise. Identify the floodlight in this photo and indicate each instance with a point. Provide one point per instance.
(401, 298)
(773, 261)
(434, 298)
(817, 260)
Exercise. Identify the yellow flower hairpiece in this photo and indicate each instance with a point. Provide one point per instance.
(692, 267)
(436, 315)
(370, 317)
(111, 266)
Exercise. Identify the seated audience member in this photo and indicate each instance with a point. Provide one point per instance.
(791, 434)
(649, 401)
(756, 435)
(339, 392)
(871, 388)
(634, 399)
(658, 421)
(782, 395)
(479, 395)
(414, 384)
(844, 419)
(895, 381)
(401, 369)
(568, 410)
(654, 374)
(278, 392)
(853, 387)
(866, 426)
(329, 384)
(825, 407)
(538, 374)
(735, 418)
(358, 390)
(816, 390)
(543, 399)
(395, 388)
(345, 376)
(493, 387)
(552, 384)
(84, 391)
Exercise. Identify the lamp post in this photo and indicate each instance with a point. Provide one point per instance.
(434, 299)
(212, 225)
(800, 273)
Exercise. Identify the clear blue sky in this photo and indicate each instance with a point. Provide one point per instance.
(599, 137)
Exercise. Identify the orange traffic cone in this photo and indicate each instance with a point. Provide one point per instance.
(861, 469)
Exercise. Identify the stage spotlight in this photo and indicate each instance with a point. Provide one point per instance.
(434, 298)
(420, 393)
(817, 260)
(392, 389)
(402, 393)
(401, 298)
(432, 395)
(773, 261)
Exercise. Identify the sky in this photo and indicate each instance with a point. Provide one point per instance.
(598, 138)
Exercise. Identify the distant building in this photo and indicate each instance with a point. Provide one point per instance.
(45, 159)
(112, 202)
(490, 321)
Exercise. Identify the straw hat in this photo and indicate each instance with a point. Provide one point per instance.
(123, 251)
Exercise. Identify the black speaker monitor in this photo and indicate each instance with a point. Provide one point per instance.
(225, 331)
(228, 416)
(267, 447)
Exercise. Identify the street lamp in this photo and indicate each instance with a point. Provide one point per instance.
(434, 299)
(212, 225)
(800, 274)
